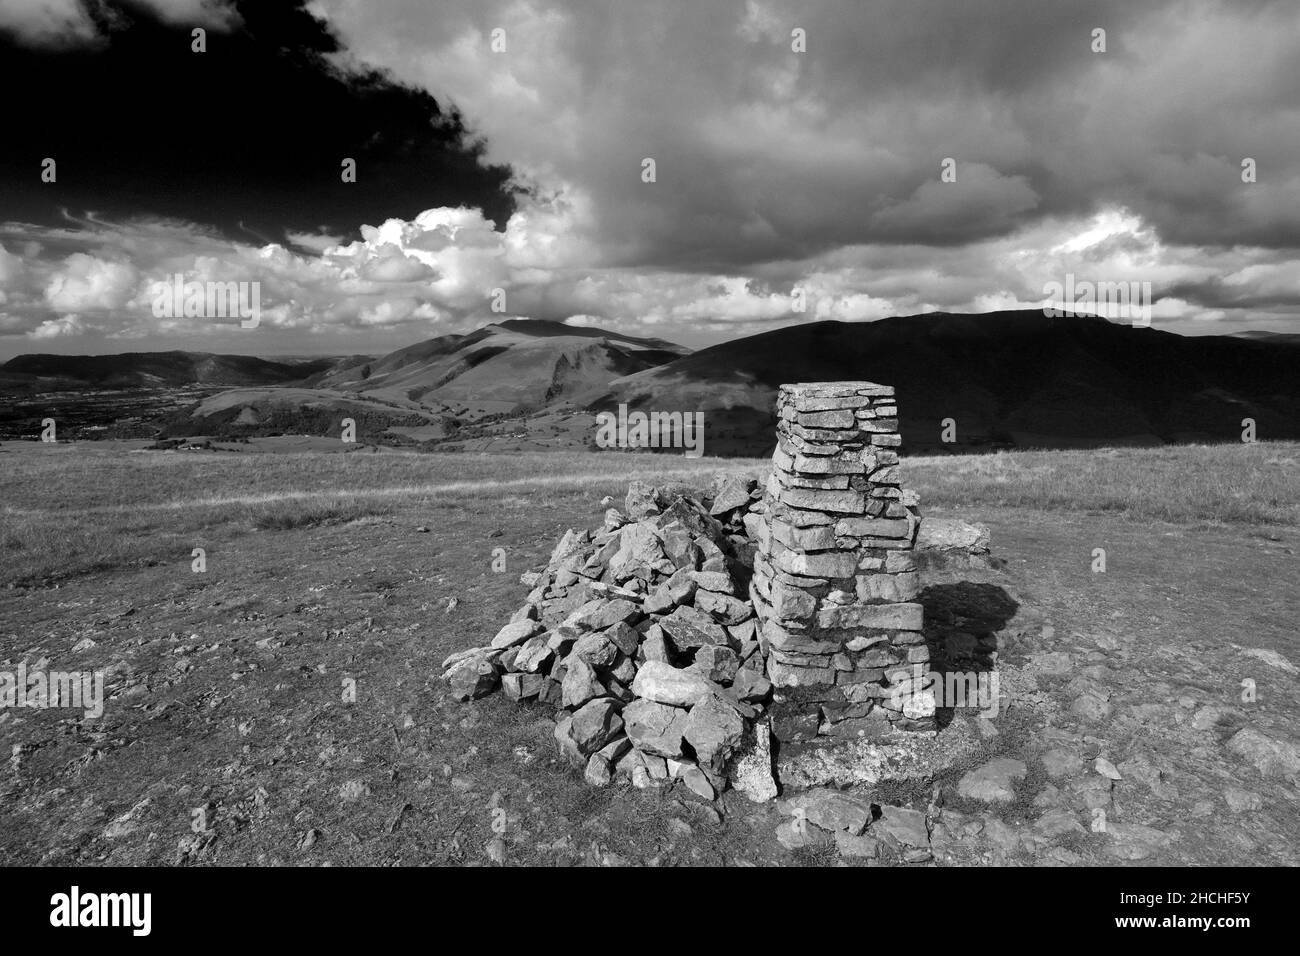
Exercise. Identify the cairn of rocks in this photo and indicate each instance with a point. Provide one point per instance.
(637, 636)
(835, 582)
(641, 636)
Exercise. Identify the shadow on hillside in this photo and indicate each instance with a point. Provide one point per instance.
(962, 623)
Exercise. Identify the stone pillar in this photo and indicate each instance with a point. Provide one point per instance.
(835, 583)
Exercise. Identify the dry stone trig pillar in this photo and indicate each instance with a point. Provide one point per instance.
(835, 583)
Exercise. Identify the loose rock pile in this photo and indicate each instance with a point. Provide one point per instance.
(835, 582)
(637, 635)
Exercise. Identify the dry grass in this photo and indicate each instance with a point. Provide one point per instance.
(312, 513)
(74, 509)
(1240, 484)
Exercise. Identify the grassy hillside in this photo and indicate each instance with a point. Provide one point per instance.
(507, 367)
(254, 412)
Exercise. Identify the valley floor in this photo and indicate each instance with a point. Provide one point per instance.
(324, 573)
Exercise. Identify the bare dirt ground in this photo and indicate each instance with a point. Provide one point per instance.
(228, 736)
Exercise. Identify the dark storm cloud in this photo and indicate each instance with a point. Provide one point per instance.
(248, 137)
(764, 153)
(1257, 297)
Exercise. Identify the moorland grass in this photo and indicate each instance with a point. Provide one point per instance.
(73, 509)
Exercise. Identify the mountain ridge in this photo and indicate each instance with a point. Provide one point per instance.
(141, 369)
(1008, 379)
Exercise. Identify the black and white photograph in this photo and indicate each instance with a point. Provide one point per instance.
(666, 435)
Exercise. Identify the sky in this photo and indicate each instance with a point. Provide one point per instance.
(694, 171)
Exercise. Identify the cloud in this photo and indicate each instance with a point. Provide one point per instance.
(444, 270)
(314, 241)
(85, 283)
(979, 202)
(249, 137)
(68, 325)
(63, 24)
(210, 14)
(11, 268)
(48, 23)
(783, 178)
(764, 153)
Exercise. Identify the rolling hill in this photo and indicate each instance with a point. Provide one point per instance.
(41, 372)
(504, 367)
(1015, 379)
(475, 386)
(1273, 338)
(1007, 379)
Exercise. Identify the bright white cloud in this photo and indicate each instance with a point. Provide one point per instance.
(440, 272)
(86, 283)
(67, 326)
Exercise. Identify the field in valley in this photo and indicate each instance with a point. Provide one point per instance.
(225, 687)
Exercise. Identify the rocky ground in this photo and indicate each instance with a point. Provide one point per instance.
(285, 707)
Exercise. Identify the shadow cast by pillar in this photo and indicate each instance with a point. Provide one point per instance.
(962, 623)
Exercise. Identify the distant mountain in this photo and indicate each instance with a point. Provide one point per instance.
(469, 387)
(501, 368)
(1007, 379)
(150, 369)
(1274, 338)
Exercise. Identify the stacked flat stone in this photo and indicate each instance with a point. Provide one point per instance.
(835, 583)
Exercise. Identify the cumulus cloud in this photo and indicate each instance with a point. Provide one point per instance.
(436, 273)
(86, 283)
(444, 270)
(11, 268)
(68, 325)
